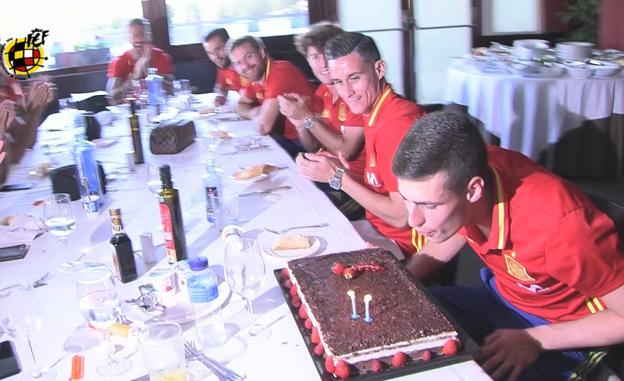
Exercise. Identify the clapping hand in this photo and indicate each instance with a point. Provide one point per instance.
(143, 61)
(293, 106)
(7, 113)
(507, 352)
(41, 93)
(320, 167)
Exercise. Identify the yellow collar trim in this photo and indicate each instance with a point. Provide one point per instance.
(378, 104)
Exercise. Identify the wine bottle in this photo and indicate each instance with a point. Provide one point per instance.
(123, 255)
(171, 218)
(135, 130)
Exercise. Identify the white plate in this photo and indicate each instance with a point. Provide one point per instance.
(261, 176)
(179, 308)
(292, 254)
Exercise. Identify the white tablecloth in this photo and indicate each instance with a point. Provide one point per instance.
(529, 113)
(284, 355)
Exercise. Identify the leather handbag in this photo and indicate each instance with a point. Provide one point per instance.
(172, 136)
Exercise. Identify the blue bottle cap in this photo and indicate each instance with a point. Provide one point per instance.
(198, 263)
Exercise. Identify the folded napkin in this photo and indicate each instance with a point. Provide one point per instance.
(104, 118)
(21, 229)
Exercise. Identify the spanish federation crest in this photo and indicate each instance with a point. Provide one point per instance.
(515, 268)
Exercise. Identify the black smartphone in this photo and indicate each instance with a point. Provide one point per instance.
(13, 252)
(9, 363)
(15, 187)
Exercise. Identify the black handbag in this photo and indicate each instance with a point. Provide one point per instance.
(172, 136)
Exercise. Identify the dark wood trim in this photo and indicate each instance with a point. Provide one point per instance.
(320, 10)
(409, 24)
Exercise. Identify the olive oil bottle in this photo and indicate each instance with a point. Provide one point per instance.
(171, 218)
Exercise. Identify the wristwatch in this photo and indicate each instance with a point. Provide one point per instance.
(310, 122)
(335, 182)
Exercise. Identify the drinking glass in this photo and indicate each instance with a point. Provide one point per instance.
(21, 319)
(245, 270)
(59, 216)
(163, 351)
(100, 306)
(153, 179)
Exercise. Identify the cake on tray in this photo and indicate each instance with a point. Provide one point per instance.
(401, 322)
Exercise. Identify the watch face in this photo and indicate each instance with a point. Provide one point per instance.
(335, 183)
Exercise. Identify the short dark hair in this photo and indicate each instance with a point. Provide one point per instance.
(316, 36)
(219, 32)
(443, 141)
(345, 43)
(141, 22)
(255, 42)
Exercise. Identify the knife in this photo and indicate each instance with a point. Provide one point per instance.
(265, 191)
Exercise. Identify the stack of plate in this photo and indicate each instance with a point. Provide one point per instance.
(530, 49)
(574, 51)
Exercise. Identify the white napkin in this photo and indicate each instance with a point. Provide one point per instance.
(22, 230)
(104, 118)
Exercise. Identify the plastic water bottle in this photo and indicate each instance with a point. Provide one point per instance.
(88, 176)
(154, 87)
(203, 290)
(212, 186)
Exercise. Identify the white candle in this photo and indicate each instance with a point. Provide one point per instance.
(367, 300)
(354, 314)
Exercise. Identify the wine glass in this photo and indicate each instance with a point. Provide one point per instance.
(245, 270)
(59, 216)
(21, 319)
(100, 305)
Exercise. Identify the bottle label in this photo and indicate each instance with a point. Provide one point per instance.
(210, 208)
(165, 218)
(202, 289)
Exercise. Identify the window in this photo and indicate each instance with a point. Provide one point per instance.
(190, 20)
(511, 17)
(80, 32)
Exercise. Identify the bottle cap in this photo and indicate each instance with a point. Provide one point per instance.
(198, 263)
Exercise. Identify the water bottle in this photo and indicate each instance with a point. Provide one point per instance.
(88, 176)
(212, 186)
(154, 88)
(203, 290)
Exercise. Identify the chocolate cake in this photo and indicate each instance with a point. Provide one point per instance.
(403, 317)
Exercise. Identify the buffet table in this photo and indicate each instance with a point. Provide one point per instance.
(283, 355)
(527, 113)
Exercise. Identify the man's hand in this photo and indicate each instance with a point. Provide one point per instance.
(7, 113)
(317, 167)
(508, 352)
(293, 106)
(219, 100)
(40, 94)
(142, 62)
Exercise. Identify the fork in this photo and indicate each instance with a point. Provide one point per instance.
(223, 373)
(323, 225)
(41, 281)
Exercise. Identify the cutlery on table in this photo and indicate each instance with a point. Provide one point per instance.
(191, 352)
(282, 231)
(265, 191)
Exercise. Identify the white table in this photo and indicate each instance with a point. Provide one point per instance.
(283, 355)
(527, 114)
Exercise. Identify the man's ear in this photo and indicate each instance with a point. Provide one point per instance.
(380, 68)
(475, 189)
(262, 52)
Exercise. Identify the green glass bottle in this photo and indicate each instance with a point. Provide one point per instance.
(171, 218)
(123, 255)
(135, 131)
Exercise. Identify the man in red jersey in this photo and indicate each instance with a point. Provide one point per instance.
(227, 78)
(133, 64)
(554, 282)
(328, 125)
(268, 78)
(357, 74)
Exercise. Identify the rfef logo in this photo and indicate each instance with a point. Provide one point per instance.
(23, 56)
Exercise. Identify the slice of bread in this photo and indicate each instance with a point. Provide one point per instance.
(291, 242)
(254, 171)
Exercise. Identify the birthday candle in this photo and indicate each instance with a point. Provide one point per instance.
(354, 314)
(367, 300)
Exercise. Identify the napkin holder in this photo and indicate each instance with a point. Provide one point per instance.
(172, 136)
(64, 181)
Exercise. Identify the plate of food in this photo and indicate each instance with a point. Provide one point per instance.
(291, 246)
(255, 172)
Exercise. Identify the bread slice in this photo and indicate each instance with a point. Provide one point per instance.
(291, 242)
(254, 171)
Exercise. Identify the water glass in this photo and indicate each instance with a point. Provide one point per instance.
(226, 207)
(97, 296)
(162, 347)
(58, 215)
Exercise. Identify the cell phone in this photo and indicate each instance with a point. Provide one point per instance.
(15, 187)
(13, 252)
(9, 363)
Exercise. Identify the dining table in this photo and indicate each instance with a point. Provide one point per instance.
(528, 111)
(281, 356)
